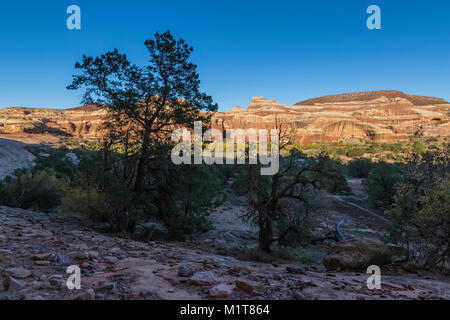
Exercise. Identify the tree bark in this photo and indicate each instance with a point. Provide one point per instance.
(142, 163)
(265, 231)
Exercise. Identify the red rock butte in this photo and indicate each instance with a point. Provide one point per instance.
(373, 116)
(384, 116)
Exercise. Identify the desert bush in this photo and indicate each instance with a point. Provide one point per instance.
(37, 190)
(359, 168)
(334, 181)
(55, 160)
(380, 183)
(418, 147)
(184, 197)
(113, 206)
(374, 148)
(420, 216)
(354, 152)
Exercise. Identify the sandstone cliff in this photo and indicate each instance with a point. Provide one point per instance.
(373, 116)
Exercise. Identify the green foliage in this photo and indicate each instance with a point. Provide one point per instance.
(418, 147)
(37, 190)
(56, 160)
(374, 148)
(281, 204)
(359, 168)
(184, 196)
(380, 183)
(420, 217)
(334, 181)
(354, 152)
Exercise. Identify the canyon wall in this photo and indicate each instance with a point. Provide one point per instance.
(373, 116)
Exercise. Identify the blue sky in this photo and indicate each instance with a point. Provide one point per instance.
(286, 50)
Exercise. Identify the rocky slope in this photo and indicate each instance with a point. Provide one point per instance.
(372, 116)
(37, 248)
(13, 155)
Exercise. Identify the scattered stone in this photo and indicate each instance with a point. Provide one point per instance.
(296, 269)
(221, 291)
(42, 263)
(185, 270)
(18, 273)
(409, 267)
(248, 286)
(83, 255)
(110, 259)
(56, 281)
(93, 255)
(6, 257)
(210, 263)
(298, 295)
(150, 294)
(357, 254)
(13, 285)
(40, 257)
(310, 283)
(202, 278)
(108, 286)
(89, 294)
(115, 250)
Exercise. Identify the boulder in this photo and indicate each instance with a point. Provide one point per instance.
(221, 291)
(249, 286)
(357, 254)
(202, 278)
(185, 270)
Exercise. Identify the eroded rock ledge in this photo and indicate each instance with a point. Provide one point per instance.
(384, 116)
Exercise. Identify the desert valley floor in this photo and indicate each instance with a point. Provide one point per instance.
(36, 248)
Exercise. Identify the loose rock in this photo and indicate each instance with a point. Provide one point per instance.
(202, 278)
(185, 270)
(221, 291)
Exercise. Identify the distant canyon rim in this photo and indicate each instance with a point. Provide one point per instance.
(378, 116)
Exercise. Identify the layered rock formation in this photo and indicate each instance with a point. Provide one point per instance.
(372, 116)
(80, 121)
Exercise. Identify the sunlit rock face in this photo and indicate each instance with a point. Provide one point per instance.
(81, 121)
(373, 116)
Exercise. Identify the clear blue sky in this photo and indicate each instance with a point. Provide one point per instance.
(287, 50)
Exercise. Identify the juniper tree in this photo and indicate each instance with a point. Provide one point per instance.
(151, 99)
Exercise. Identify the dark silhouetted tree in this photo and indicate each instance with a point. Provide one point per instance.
(145, 103)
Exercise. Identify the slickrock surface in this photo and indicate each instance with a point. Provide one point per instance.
(373, 116)
(36, 249)
(13, 155)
